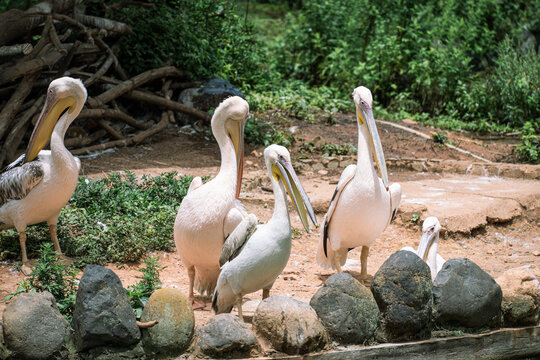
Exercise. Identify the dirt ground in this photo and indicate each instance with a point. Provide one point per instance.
(495, 248)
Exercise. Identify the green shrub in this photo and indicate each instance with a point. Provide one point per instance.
(52, 276)
(529, 150)
(149, 282)
(263, 133)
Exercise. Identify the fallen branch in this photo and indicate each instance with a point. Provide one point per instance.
(15, 50)
(425, 136)
(115, 114)
(80, 141)
(102, 70)
(105, 125)
(103, 23)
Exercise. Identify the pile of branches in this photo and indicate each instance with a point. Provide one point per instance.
(54, 39)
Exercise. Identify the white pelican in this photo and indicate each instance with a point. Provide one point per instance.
(254, 259)
(36, 186)
(210, 212)
(363, 204)
(429, 243)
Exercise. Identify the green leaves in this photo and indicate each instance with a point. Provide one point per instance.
(149, 282)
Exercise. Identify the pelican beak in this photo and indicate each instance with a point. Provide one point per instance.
(284, 171)
(365, 117)
(52, 110)
(236, 133)
(425, 244)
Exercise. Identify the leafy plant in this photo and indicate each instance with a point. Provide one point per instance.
(529, 150)
(149, 282)
(439, 138)
(328, 149)
(52, 276)
(264, 133)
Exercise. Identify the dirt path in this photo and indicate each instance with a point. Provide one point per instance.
(495, 247)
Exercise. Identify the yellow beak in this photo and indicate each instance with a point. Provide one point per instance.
(365, 117)
(284, 172)
(52, 110)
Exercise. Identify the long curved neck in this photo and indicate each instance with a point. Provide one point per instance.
(364, 166)
(228, 168)
(60, 154)
(281, 208)
(432, 254)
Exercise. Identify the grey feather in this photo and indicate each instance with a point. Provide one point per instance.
(237, 239)
(18, 179)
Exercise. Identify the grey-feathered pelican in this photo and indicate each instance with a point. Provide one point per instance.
(210, 212)
(429, 243)
(363, 204)
(36, 186)
(253, 259)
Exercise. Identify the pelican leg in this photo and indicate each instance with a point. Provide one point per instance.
(22, 241)
(239, 306)
(363, 262)
(266, 293)
(191, 275)
(337, 262)
(54, 238)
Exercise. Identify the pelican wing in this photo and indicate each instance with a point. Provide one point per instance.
(237, 239)
(344, 180)
(195, 184)
(18, 179)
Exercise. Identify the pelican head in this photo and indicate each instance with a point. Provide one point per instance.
(63, 95)
(231, 115)
(364, 114)
(430, 236)
(278, 162)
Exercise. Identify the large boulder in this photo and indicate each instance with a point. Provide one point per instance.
(521, 296)
(289, 325)
(347, 309)
(465, 295)
(134, 352)
(209, 95)
(402, 288)
(34, 328)
(226, 335)
(176, 322)
(103, 315)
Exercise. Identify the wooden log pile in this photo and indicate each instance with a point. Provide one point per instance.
(54, 39)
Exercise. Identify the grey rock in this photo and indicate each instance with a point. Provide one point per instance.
(103, 315)
(34, 328)
(176, 322)
(465, 295)
(209, 95)
(226, 335)
(402, 288)
(521, 296)
(135, 352)
(347, 309)
(289, 325)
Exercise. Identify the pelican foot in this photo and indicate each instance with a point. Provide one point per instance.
(196, 304)
(65, 260)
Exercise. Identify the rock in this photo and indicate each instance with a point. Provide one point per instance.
(289, 325)
(403, 290)
(135, 352)
(225, 335)
(209, 95)
(103, 315)
(347, 309)
(465, 295)
(521, 296)
(176, 322)
(34, 328)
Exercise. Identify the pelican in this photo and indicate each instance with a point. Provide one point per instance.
(36, 186)
(210, 212)
(253, 259)
(429, 243)
(363, 204)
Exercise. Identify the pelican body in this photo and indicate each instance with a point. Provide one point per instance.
(36, 186)
(363, 204)
(264, 254)
(210, 212)
(428, 247)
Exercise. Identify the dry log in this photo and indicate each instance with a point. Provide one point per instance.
(116, 114)
(84, 141)
(128, 141)
(105, 125)
(15, 50)
(137, 81)
(102, 70)
(169, 104)
(14, 103)
(51, 57)
(54, 37)
(103, 23)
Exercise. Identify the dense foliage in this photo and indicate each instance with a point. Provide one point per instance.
(118, 218)
(149, 282)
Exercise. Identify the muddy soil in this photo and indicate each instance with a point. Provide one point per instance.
(495, 248)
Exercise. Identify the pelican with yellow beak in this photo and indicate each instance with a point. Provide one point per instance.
(428, 247)
(210, 212)
(36, 186)
(363, 204)
(253, 259)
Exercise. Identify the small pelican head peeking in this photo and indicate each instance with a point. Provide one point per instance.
(64, 95)
(228, 122)
(278, 163)
(364, 114)
(430, 237)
